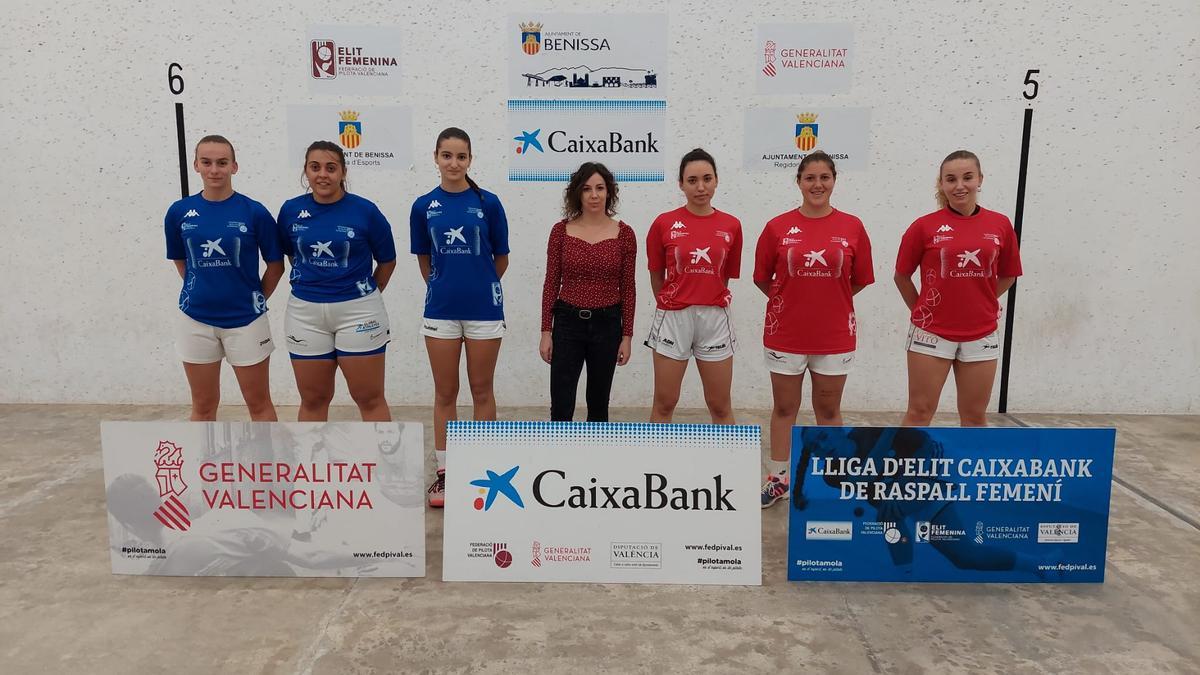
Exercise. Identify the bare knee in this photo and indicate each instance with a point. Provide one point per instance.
(204, 408)
(481, 392)
(786, 409)
(445, 396)
(665, 403)
(367, 397)
(920, 413)
(315, 397)
(827, 410)
(719, 408)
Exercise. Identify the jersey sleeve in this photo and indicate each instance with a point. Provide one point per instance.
(908, 258)
(281, 233)
(420, 243)
(497, 225)
(174, 235)
(863, 273)
(734, 267)
(655, 253)
(379, 235)
(268, 235)
(553, 282)
(766, 252)
(1009, 264)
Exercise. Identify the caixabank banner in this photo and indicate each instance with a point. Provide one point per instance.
(551, 138)
(612, 503)
(265, 499)
(949, 504)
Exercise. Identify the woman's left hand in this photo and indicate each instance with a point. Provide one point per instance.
(624, 350)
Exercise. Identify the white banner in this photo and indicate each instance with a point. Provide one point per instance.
(306, 499)
(804, 58)
(552, 138)
(778, 138)
(353, 60)
(586, 55)
(373, 137)
(610, 503)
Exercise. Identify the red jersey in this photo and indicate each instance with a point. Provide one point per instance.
(960, 257)
(699, 253)
(811, 264)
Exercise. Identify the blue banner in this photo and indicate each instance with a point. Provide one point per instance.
(949, 504)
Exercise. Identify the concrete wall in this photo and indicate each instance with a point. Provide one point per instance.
(1108, 317)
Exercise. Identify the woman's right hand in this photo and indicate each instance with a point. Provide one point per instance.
(546, 347)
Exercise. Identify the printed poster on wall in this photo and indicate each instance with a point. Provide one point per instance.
(949, 504)
(353, 60)
(778, 138)
(373, 137)
(309, 499)
(586, 55)
(551, 138)
(804, 58)
(610, 503)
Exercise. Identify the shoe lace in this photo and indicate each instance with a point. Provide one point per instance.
(438, 485)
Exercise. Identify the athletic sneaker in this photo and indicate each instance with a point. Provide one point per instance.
(437, 491)
(774, 488)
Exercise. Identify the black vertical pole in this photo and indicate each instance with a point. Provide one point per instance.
(183, 167)
(1018, 217)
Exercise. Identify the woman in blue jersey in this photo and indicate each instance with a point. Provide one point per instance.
(460, 238)
(215, 238)
(335, 317)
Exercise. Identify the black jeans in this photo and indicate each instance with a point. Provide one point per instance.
(583, 336)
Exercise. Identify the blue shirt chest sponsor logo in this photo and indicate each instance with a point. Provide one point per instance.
(461, 240)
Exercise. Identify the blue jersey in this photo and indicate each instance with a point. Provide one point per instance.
(461, 232)
(332, 245)
(219, 243)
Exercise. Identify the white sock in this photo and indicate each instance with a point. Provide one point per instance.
(441, 460)
(778, 467)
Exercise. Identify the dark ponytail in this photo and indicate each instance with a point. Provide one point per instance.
(455, 132)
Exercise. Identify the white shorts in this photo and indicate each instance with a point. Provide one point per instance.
(247, 345)
(327, 330)
(786, 363)
(986, 348)
(453, 329)
(703, 331)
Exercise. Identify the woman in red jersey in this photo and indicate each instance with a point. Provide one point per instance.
(693, 252)
(810, 262)
(968, 257)
(588, 297)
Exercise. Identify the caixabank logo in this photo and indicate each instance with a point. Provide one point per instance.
(564, 141)
(557, 489)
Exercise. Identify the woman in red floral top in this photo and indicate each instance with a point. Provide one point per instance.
(589, 294)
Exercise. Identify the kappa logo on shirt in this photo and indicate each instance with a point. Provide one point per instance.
(701, 254)
(794, 230)
(813, 257)
(677, 225)
(945, 228)
(678, 230)
(435, 204)
(192, 213)
(304, 214)
(212, 245)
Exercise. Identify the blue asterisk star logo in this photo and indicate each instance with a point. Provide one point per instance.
(499, 484)
(529, 139)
